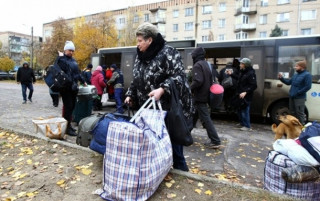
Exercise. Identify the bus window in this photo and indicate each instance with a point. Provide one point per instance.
(289, 55)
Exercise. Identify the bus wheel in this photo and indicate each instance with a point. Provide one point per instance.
(280, 108)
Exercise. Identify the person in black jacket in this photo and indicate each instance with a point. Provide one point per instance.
(200, 86)
(229, 91)
(70, 66)
(26, 77)
(247, 83)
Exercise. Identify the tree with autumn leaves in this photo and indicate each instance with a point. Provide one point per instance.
(88, 37)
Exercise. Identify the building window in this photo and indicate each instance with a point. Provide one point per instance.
(146, 17)
(308, 0)
(222, 7)
(175, 13)
(222, 23)
(205, 38)
(206, 24)
(283, 17)
(264, 3)
(206, 9)
(283, 1)
(175, 38)
(188, 38)
(263, 34)
(263, 19)
(308, 15)
(175, 27)
(189, 12)
(307, 31)
(136, 19)
(122, 20)
(285, 32)
(241, 35)
(245, 3)
(222, 37)
(188, 26)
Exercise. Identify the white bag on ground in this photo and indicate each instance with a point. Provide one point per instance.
(52, 127)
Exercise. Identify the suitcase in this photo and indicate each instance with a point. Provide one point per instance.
(82, 109)
(85, 127)
(274, 182)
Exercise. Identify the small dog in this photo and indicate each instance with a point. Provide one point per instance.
(289, 126)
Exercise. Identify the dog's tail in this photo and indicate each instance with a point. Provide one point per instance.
(274, 127)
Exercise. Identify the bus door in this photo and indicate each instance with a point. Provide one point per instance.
(127, 62)
(256, 55)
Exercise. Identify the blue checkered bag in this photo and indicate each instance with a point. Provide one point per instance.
(138, 156)
(273, 181)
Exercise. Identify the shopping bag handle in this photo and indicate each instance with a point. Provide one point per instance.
(146, 106)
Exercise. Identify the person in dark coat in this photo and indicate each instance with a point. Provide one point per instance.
(87, 74)
(300, 83)
(25, 77)
(116, 81)
(200, 86)
(155, 64)
(70, 66)
(247, 83)
(229, 71)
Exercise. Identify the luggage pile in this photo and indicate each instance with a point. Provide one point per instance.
(137, 151)
(293, 167)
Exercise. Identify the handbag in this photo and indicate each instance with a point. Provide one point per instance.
(179, 127)
(138, 156)
(53, 127)
(57, 79)
(227, 82)
(215, 93)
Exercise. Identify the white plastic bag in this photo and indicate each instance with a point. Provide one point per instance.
(104, 98)
(52, 127)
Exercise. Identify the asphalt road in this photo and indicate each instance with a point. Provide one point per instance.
(240, 160)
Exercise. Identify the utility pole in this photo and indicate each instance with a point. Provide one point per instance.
(32, 47)
(196, 18)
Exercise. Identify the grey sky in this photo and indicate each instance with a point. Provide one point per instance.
(21, 15)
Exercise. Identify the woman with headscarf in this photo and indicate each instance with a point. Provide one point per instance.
(155, 64)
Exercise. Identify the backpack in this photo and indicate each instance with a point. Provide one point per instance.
(57, 79)
(310, 140)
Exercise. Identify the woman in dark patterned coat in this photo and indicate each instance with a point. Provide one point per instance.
(155, 64)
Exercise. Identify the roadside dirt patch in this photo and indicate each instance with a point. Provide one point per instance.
(34, 169)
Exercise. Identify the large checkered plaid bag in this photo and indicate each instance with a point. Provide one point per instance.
(273, 181)
(138, 156)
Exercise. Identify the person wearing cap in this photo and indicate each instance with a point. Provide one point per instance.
(300, 83)
(25, 76)
(86, 73)
(117, 82)
(70, 66)
(200, 87)
(97, 80)
(247, 83)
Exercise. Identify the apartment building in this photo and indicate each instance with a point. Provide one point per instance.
(217, 20)
(15, 44)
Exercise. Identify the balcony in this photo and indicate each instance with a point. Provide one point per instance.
(245, 27)
(156, 20)
(252, 10)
